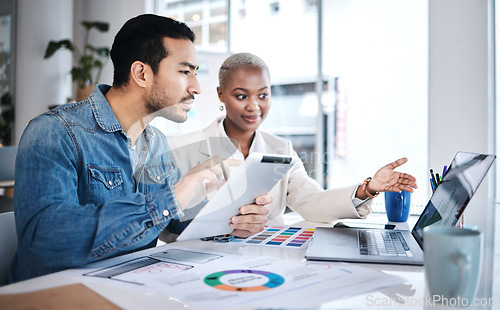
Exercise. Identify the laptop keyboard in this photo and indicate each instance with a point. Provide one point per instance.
(382, 242)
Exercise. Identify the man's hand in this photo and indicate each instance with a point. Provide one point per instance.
(252, 218)
(202, 179)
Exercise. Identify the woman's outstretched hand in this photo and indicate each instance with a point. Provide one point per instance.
(388, 180)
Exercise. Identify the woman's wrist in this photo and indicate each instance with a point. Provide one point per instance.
(364, 191)
(360, 193)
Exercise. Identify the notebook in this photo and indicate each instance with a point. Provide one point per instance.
(446, 205)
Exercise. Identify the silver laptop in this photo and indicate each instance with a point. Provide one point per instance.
(445, 207)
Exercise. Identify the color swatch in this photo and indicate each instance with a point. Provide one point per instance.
(280, 236)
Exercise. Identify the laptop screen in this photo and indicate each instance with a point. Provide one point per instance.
(450, 198)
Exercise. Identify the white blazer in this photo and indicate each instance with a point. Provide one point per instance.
(296, 189)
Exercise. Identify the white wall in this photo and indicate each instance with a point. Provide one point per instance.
(461, 90)
(40, 83)
(461, 101)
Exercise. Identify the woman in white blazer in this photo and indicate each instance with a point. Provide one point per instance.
(245, 91)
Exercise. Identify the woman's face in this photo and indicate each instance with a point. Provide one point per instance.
(247, 97)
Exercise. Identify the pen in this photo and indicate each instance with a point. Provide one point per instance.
(438, 178)
(434, 178)
(433, 186)
(445, 169)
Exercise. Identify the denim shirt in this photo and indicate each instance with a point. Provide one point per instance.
(76, 197)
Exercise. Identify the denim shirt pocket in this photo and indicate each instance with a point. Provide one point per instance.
(104, 183)
(156, 175)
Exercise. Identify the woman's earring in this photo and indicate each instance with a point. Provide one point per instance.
(221, 107)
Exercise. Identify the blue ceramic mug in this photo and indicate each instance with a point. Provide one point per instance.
(397, 206)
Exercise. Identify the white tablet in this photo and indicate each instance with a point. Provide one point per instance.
(256, 177)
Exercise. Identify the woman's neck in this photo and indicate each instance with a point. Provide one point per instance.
(241, 139)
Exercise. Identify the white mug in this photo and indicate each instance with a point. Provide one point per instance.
(452, 262)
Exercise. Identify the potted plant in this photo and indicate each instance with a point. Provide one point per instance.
(88, 62)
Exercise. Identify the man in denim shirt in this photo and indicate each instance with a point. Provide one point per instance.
(94, 180)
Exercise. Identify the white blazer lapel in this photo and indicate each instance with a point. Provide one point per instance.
(217, 144)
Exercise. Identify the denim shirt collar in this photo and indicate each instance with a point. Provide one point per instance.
(103, 113)
(105, 116)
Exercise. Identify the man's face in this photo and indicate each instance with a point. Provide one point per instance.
(171, 94)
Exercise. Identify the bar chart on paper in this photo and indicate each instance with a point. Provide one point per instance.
(280, 236)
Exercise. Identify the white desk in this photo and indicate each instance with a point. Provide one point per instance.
(412, 293)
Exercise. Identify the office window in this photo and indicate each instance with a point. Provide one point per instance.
(240, 9)
(294, 102)
(311, 3)
(207, 18)
(379, 50)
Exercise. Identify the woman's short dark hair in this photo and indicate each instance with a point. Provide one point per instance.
(237, 61)
(141, 39)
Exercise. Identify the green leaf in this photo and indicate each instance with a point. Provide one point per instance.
(88, 63)
(79, 74)
(100, 26)
(99, 51)
(97, 64)
(56, 45)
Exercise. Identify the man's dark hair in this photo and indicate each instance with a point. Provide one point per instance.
(141, 39)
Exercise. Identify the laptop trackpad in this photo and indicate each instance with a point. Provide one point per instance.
(334, 242)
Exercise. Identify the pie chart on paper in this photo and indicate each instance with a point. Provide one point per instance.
(244, 280)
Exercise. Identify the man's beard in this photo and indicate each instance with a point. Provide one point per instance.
(160, 106)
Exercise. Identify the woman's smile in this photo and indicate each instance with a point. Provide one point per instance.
(251, 118)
